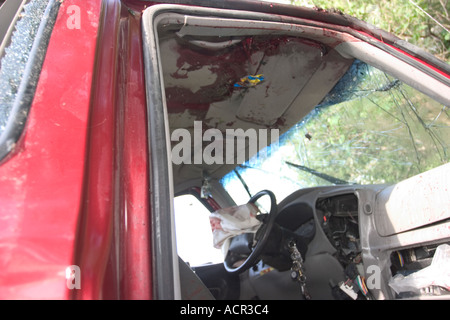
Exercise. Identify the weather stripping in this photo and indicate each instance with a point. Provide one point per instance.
(20, 67)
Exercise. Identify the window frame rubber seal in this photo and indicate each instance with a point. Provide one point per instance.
(24, 98)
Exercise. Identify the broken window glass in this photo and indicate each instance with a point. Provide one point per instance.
(370, 129)
(13, 63)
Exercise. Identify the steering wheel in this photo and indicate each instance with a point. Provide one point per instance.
(262, 235)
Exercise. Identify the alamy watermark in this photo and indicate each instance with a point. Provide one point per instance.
(212, 146)
(74, 19)
(373, 273)
(73, 277)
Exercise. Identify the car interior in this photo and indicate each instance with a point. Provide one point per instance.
(330, 229)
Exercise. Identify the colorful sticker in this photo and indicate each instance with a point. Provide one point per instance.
(249, 81)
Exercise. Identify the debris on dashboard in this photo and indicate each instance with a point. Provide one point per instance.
(425, 280)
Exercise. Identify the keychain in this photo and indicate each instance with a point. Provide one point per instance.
(297, 270)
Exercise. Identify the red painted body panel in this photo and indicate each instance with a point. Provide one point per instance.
(427, 65)
(42, 183)
(113, 244)
(75, 192)
(134, 205)
(97, 214)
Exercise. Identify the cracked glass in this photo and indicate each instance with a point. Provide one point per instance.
(14, 61)
(370, 129)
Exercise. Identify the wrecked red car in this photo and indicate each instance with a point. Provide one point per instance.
(229, 150)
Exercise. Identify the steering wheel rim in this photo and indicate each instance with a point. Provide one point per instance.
(267, 225)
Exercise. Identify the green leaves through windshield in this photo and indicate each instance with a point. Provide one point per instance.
(371, 129)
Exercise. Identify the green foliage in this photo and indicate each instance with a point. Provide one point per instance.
(386, 133)
(425, 23)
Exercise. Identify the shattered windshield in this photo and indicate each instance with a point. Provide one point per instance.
(370, 129)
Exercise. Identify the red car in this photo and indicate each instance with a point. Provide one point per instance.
(316, 144)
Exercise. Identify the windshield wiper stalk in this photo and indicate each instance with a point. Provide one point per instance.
(243, 182)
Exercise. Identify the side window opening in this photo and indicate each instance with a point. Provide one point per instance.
(22, 52)
(193, 232)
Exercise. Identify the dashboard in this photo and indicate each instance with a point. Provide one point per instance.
(347, 258)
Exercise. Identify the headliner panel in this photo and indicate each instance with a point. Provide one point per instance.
(200, 69)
